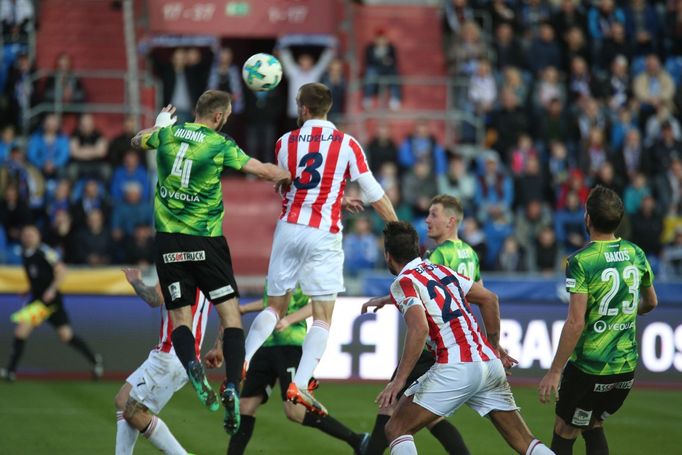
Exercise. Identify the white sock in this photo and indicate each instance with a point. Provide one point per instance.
(538, 448)
(161, 437)
(260, 330)
(403, 445)
(313, 347)
(126, 435)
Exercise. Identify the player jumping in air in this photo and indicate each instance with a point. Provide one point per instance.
(149, 388)
(191, 250)
(598, 349)
(469, 366)
(46, 272)
(276, 361)
(445, 214)
(307, 244)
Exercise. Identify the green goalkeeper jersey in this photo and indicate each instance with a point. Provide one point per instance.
(190, 159)
(611, 273)
(458, 256)
(295, 333)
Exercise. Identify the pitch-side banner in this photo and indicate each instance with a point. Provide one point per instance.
(242, 18)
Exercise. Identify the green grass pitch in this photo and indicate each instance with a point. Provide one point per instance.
(58, 417)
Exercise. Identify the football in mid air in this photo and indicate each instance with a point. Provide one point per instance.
(262, 72)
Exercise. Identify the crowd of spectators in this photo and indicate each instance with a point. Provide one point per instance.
(573, 94)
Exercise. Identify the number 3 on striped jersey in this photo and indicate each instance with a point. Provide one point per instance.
(182, 167)
(310, 163)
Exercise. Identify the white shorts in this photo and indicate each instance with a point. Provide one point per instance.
(481, 385)
(307, 256)
(157, 379)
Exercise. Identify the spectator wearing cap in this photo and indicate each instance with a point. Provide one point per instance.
(381, 60)
(494, 189)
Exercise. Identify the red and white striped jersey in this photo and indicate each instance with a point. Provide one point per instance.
(200, 311)
(454, 335)
(320, 158)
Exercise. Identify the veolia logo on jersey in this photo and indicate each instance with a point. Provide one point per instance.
(165, 193)
(601, 326)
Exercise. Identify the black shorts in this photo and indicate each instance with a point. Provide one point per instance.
(186, 262)
(424, 363)
(59, 317)
(587, 398)
(269, 365)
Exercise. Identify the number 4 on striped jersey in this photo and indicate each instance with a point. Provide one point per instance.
(182, 170)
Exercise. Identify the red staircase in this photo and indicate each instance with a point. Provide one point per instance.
(91, 32)
(252, 209)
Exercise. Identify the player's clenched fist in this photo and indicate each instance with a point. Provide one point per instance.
(213, 358)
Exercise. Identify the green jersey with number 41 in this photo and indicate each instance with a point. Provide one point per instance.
(611, 273)
(458, 256)
(190, 159)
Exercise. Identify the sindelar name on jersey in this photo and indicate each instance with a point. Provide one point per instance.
(617, 256)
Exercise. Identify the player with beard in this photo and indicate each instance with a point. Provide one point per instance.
(191, 250)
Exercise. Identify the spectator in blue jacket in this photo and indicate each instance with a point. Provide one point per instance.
(643, 27)
(360, 247)
(129, 213)
(569, 224)
(494, 189)
(422, 144)
(130, 171)
(48, 148)
(600, 19)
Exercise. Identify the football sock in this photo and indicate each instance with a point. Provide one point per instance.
(233, 350)
(595, 442)
(562, 446)
(81, 346)
(538, 448)
(313, 347)
(403, 445)
(15, 355)
(239, 441)
(377, 442)
(260, 330)
(126, 436)
(160, 436)
(183, 343)
(332, 427)
(449, 437)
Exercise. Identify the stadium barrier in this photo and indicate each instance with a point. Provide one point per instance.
(361, 347)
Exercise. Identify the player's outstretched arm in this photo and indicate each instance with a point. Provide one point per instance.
(649, 300)
(165, 118)
(377, 303)
(570, 334)
(251, 307)
(297, 316)
(417, 331)
(150, 294)
(267, 171)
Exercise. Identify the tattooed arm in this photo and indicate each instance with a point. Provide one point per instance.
(150, 294)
